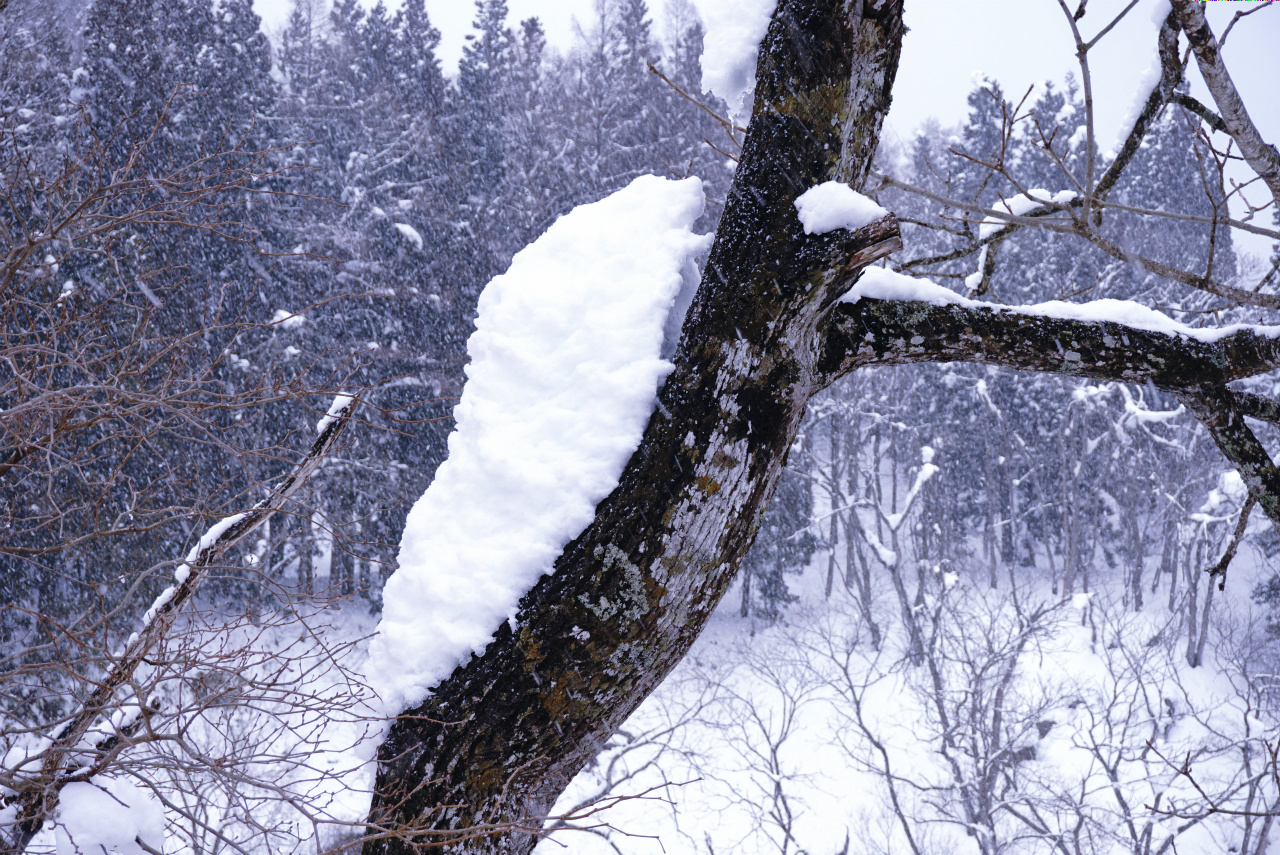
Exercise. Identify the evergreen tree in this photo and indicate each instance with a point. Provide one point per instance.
(298, 58)
(1173, 171)
(614, 99)
(689, 131)
(982, 140)
(483, 74)
(539, 181)
(418, 81)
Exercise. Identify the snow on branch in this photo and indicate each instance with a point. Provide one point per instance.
(834, 205)
(1023, 205)
(883, 284)
(566, 363)
(927, 470)
(890, 319)
(36, 804)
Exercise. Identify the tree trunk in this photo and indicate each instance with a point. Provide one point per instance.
(837, 501)
(499, 740)
(478, 765)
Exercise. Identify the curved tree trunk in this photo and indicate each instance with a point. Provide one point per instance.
(500, 739)
(479, 764)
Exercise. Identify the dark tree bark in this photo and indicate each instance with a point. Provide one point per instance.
(479, 764)
(890, 332)
(500, 739)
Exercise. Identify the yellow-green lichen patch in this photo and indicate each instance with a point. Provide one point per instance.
(631, 600)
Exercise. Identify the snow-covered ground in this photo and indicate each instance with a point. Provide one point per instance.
(785, 738)
(778, 738)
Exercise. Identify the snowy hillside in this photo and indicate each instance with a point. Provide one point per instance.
(1026, 722)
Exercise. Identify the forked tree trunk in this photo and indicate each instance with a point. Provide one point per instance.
(480, 763)
(500, 739)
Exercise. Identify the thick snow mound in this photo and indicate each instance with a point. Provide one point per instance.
(565, 369)
(833, 205)
(108, 815)
(730, 49)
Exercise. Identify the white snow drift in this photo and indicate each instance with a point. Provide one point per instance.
(565, 368)
(732, 44)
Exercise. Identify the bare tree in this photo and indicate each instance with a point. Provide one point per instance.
(766, 331)
(110, 401)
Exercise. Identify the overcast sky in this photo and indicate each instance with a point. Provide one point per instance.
(1018, 42)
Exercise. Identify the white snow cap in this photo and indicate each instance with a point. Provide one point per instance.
(1019, 205)
(410, 234)
(287, 319)
(879, 283)
(1228, 497)
(833, 205)
(564, 373)
(1147, 81)
(336, 409)
(108, 815)
(730, 49)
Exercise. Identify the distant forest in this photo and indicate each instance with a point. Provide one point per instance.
(234, 231)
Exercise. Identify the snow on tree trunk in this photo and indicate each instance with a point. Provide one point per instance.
(498, 740)
(477, 765)
(565, 368)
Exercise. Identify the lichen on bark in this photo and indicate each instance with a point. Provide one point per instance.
(479, 764)
(481, 761)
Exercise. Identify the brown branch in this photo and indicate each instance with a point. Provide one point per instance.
(1257, 407)
(38, 802)
(729, 127)
(1080, 228)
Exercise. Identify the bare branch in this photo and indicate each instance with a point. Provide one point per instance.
(1260, 155)
(37, 803)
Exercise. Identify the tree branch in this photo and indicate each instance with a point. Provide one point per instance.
(897, 332)
(1220, 569)
(1170, 77)
(1210, 118)
(1040, 218)
(1261, 156)
(626, 599)
(38, 802)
